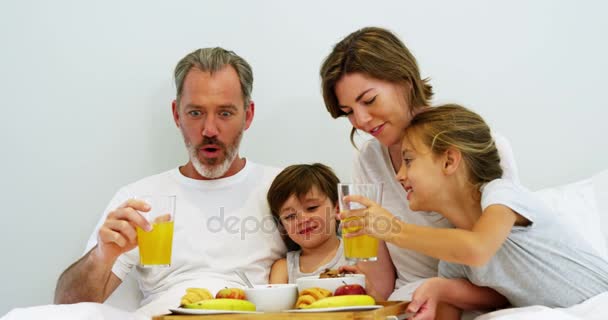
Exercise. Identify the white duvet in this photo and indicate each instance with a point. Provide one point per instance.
(595, 308)
(84, 310)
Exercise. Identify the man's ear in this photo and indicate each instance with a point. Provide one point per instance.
(451, 160)
(175, 110)
(249, 114)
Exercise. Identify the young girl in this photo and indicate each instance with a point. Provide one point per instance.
(304, 201)
(506, 247)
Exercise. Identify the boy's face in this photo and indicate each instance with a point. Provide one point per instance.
(310, 220)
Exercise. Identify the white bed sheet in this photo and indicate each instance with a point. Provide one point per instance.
(78, 311)
(595, 308)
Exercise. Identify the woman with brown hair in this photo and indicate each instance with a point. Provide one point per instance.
(373, 79)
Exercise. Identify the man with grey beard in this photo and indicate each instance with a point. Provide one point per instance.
(212, 109)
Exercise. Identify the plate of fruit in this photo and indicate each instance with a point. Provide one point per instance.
(347, 297)
(227, 300)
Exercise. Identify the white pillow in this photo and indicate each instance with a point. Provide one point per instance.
(600, 186)
(576, 204)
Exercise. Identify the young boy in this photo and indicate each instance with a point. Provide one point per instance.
(303, 199)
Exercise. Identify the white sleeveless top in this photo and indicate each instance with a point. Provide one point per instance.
(293, 264)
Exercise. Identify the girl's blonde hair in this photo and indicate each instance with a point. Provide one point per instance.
(454, 126)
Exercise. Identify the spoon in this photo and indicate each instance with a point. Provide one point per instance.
(243, 277)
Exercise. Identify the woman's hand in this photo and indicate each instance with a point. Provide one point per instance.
(372, 220)
(425, 299)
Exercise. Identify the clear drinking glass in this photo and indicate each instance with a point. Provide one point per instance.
(155, 246)
(364, 247)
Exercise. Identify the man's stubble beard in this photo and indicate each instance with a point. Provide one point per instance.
(214, 171)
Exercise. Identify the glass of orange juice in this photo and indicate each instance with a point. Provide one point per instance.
(155, 245)
(364, 247)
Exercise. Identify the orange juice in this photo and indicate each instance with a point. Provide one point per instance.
(155, 246)
(361, 248)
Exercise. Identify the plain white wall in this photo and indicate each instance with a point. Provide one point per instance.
(86, 87)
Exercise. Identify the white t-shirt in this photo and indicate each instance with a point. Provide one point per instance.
(373, 164)
(220, 226)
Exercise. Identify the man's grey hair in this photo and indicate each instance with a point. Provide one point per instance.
(212, 60)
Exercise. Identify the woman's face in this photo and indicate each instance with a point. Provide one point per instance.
(375, 106)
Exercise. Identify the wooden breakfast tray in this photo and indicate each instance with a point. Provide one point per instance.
(391, 308)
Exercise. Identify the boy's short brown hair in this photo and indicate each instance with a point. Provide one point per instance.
(299, 180)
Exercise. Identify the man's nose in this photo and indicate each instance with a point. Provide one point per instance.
(360, 117)
(210, 128)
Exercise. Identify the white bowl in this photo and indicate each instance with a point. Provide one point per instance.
(330, 284)
(272, 297)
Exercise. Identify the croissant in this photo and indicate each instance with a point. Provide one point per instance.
(311, 295)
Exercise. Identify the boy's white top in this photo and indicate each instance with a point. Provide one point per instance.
(293, 264)
(373, 164)
(220, 226)
(546, 263)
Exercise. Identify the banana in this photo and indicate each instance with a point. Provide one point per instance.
(195, 295)
(342, 301)
(223, 304)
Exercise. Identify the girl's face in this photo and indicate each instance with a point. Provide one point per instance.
(310, 220)
(421, 174)
(375, 106)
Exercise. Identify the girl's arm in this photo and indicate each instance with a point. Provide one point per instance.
(379, 275)
(278, 272)
(473, 247)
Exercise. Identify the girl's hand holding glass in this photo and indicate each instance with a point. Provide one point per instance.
(372, 220)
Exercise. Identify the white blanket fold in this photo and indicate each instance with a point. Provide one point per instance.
(595, 308)
(78, 311)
